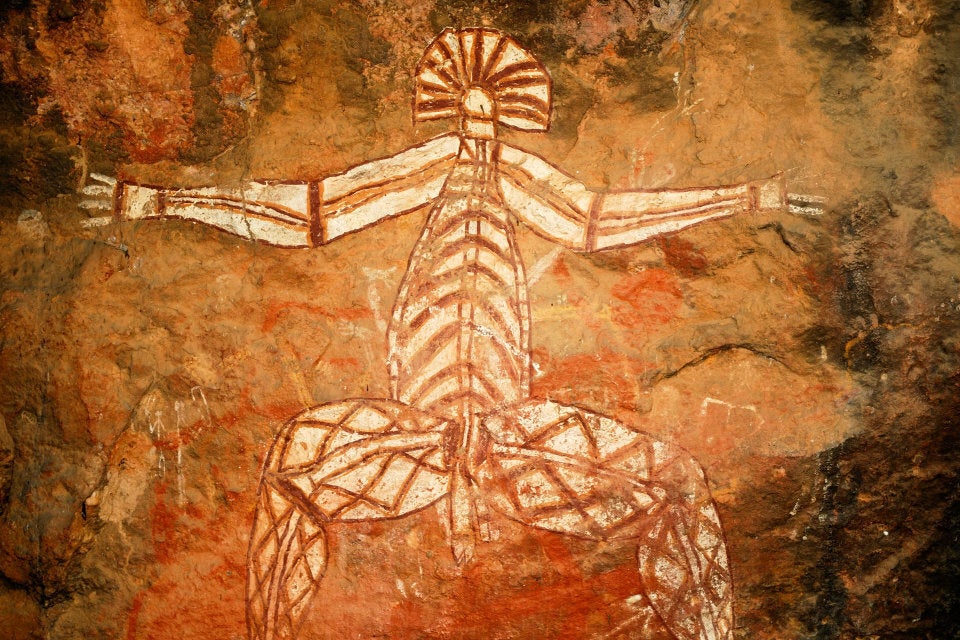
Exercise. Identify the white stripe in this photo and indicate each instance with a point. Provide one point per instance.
(641, 218)
(415, 307)
(241, 208)
(634, 236)
(641, 201)
(540, 267)
(542, 217)
(236, 223)
(254, 196)
(546, 175)
(393, 168)
(384, 206)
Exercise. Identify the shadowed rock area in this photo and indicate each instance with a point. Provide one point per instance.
(810, 361)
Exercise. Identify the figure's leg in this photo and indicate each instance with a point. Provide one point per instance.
(346, 461)
(285, 562)
(571, 471)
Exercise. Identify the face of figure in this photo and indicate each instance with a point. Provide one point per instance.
(478, 119)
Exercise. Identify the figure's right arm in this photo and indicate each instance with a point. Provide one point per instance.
(294, 214)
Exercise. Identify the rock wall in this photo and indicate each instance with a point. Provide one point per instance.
(808, 360)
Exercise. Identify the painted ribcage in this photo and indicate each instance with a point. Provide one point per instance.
(459, 336)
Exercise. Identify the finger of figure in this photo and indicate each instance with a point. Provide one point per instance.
(95, 204)
(99, 221)
(805, 211)
(805, 204)
(805, 198)
(99, 177)
(97, 190)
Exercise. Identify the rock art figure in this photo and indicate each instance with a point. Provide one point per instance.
(460, 431)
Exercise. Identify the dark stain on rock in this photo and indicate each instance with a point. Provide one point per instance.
(35, 164)
(827, 616)
(902, 580)
(222, 76)
(275, 23)
(865, 351)
(848, 45)
(64, 10)
(362, 49)
(646, 85)
(937, 569)
(7, 9)
(856, 284)
(571, 101)
(15, 104)
(209, 138)
(821, 339)
(513, 17)
(943, 66)
(840, 12)
(344, 35)
(888, 571)
(864, 215)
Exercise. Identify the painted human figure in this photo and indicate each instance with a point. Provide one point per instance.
(460, 431)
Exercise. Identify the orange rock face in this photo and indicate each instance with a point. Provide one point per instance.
(804, 357)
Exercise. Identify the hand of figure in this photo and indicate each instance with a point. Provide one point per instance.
(99, 195)
(771, 194)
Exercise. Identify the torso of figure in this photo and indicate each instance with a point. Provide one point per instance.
(459, 336)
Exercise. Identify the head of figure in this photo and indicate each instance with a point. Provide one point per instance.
(485, 80)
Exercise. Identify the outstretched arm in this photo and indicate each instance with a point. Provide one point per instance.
(562, 209)
(293, 214)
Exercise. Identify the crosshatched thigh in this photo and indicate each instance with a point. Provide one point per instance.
(360, 459)
(566, 469)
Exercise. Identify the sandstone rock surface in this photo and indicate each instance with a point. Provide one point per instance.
(811, 363)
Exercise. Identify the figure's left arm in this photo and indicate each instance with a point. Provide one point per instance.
(562, 209)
